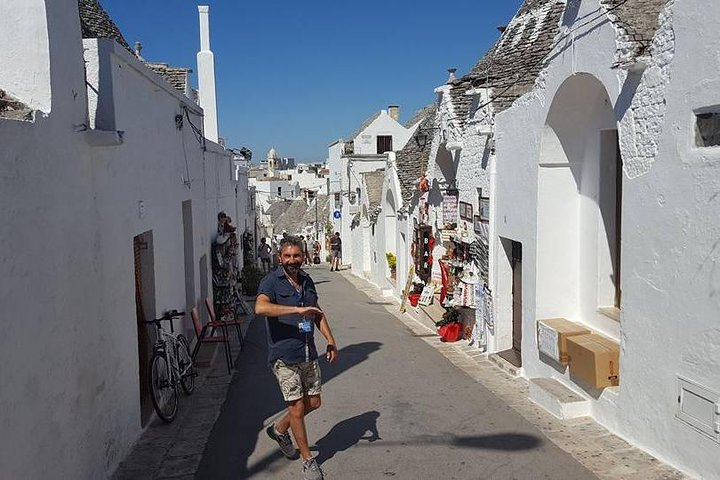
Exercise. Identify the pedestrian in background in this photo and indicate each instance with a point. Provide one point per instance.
(264, 253)
(336, 250)
(287, 297)
(306, 250)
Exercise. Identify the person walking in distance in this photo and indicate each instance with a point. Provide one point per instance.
(336, 250)
(306, 250)
(264, 252)
(287, 297)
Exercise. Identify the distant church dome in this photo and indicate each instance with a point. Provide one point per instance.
(272, 154)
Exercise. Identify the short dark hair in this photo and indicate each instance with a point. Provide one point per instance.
(290, 241)
(337, 233)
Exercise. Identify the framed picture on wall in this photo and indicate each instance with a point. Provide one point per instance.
(477, 224)
(484, 209)
(466, 211)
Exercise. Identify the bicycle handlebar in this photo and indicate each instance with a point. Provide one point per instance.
(169, 315)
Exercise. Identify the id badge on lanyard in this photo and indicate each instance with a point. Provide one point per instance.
(305, 326)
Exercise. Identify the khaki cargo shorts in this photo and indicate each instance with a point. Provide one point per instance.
(298, 379)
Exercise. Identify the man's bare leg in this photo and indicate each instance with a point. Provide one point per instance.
(312, 403)
(295, 421)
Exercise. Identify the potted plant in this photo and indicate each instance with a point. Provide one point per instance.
(392, 264)
(449, 327)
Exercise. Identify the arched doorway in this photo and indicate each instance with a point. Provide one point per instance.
(579, 207)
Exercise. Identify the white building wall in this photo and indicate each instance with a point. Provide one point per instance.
(306, 180)
(353, 168)
(366, 141)
(71, 398)
(31, 44)
(668, 328)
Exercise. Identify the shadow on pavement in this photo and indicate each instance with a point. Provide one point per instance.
(499, 441)
(252, 397)
(348, 433)
(496, 441)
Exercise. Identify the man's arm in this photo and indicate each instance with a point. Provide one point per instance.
(264, 307)
(324, 327)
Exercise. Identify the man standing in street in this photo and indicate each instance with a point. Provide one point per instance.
(264, 252)
(336, 250)
(288, 298)
(306, 250)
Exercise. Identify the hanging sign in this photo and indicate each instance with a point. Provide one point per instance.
(450, 209)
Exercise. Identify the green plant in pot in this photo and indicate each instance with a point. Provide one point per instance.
(392, 263)
(451, 315)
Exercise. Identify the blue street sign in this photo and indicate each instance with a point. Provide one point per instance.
(337, 214)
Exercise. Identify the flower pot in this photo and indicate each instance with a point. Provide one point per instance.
(452, 332)
(414, 298)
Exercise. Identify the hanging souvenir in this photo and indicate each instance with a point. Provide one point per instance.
(489, 318)
(423, 185)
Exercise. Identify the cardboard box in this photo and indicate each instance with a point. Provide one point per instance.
(595, 360)
(553, 334)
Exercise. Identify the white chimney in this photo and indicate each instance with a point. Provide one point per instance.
(394, 112)
(206, 77)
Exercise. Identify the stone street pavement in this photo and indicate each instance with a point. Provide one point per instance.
(393, 407)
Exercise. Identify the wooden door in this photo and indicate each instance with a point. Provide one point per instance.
(517, 299)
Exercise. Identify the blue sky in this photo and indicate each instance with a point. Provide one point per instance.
(298, 75)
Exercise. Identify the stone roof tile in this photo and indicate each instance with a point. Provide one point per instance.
(412, 161)
(96, 23)
(512, 65)
(14, 109)
(299, 214)
(637, 22)
(374, 187)
(175, 76)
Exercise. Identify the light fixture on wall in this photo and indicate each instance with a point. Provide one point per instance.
(451, 188)
(422, 135)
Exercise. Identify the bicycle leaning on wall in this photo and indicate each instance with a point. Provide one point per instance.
(171, 364)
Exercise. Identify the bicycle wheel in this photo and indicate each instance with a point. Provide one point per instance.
(185, 363)
(163, 392)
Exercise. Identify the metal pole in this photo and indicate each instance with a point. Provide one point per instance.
(317, 199)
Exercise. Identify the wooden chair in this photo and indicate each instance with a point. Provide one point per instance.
(236, 323)
(201, 331)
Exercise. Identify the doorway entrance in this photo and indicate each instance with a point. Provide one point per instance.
(514, 354)
(144, 309)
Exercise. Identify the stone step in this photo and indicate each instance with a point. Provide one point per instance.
(505, 366)
(558, 399)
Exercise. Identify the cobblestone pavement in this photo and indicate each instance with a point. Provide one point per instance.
(604, 454)
(392, 409)
(174, 450)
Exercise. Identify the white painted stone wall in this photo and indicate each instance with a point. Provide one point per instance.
(366, 141)
(353, 168)
(70, 402)
(31, 45)
(307, 180)
(668, 328)
(266, 191)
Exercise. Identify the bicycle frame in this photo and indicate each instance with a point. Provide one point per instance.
(169, 346)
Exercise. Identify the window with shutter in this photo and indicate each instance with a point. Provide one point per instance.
(384, 143)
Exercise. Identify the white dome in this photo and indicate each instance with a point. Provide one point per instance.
(272, 154)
